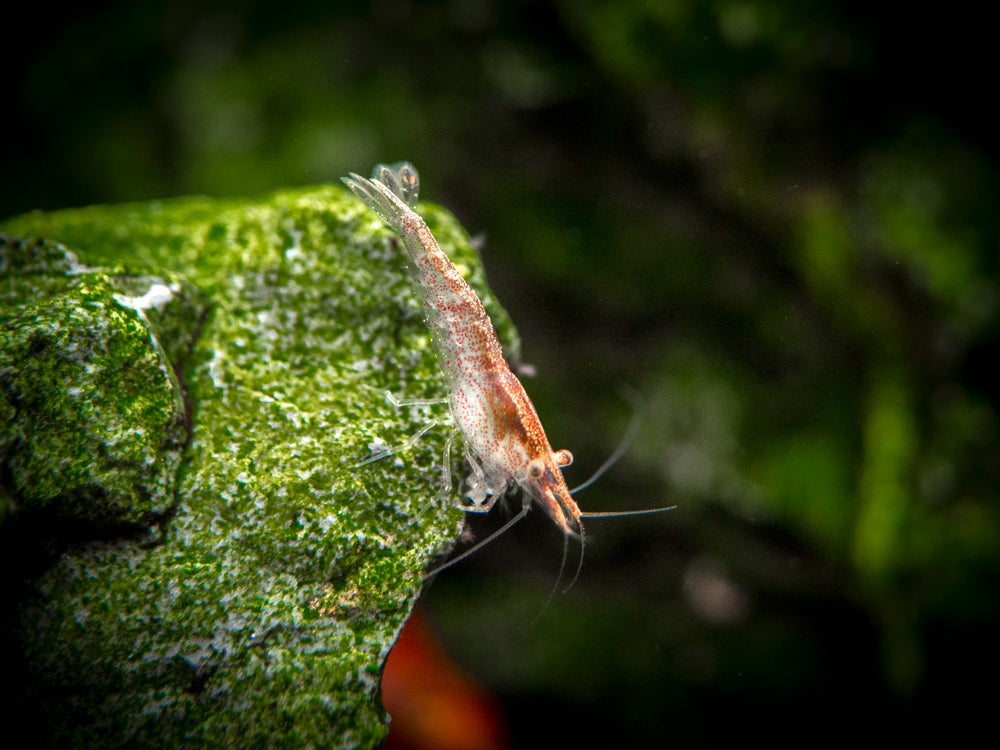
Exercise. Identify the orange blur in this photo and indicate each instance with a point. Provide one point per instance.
(433, 705)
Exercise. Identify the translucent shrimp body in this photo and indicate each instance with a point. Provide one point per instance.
(505, 441)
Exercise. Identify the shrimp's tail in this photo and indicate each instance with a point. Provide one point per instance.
(388, 206)
(391, 193)
(401, 178)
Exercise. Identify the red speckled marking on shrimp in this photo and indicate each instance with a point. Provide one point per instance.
(505, 441)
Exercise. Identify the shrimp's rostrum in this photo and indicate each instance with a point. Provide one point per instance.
(505, 441)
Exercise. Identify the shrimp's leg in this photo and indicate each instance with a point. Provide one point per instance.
(483, 490)
(400, 402)
(446, 464)
(410, 441)
(483, 493)
(443, 495)
(406, 445)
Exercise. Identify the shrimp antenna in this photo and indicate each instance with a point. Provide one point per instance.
(638, 412)
(579, 565)
(483, 542)
(562, 569)
(633, 429)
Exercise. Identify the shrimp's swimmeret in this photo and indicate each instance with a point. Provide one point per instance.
(505, 441)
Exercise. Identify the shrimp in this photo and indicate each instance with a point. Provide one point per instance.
(505, 442)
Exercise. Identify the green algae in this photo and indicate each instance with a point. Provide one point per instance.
(255, 601)
(110, 442)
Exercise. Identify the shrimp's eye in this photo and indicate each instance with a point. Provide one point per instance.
(535, 469)
(563, 457)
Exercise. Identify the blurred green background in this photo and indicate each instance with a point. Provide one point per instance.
(775, 223)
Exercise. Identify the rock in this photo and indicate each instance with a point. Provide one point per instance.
(246, 590)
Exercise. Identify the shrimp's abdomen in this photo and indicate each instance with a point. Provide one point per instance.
(464, 337)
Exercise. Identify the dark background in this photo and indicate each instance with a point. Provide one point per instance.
(776, 225)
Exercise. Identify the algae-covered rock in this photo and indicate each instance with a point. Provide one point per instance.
(248, 593)
(92, 417)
